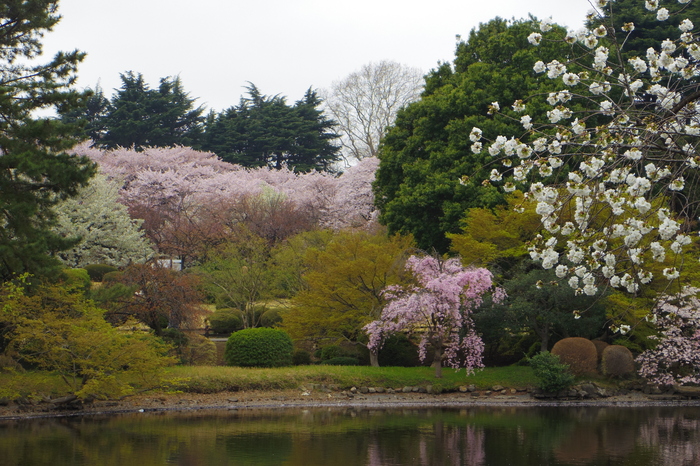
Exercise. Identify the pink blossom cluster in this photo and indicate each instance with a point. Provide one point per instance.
(438, 308)
(181, 176)
(676, 357)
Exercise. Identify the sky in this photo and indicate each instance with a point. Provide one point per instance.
(282, 46)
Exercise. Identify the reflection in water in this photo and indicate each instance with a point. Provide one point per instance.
(363, 437)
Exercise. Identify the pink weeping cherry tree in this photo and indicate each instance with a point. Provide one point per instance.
(438, 308)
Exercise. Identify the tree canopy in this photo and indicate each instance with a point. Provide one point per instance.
(138, 116)
(266, 131)
(35, 170)
(428, 151)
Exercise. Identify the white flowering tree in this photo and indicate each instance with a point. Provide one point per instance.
(614, 169)
(108, 235)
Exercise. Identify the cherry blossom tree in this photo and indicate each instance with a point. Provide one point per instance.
(182, 194)
(625, 133)
(438, 308)
(676, 357)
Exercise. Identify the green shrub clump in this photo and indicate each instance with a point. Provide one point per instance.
(553, 375)
(98, 271)
(225, 321)
(301, 357)
(259, 347)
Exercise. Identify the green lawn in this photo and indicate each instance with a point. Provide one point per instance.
(212, 379)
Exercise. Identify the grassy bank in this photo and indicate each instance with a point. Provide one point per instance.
(213, 379)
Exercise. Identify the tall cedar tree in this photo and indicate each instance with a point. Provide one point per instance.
(35, 170)
(266, 131)
(138, 116)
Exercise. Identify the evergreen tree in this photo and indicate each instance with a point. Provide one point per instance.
(35, 170)
(266, 131)
(428, 174)
(138, 116)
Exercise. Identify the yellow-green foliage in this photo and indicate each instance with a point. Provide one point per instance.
(491, 234)
(55, 328)
(617, 361)
(344, 283)
(579, 353)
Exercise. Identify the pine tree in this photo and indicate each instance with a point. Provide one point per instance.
(35, 170)
(266, 131)
(138, 116)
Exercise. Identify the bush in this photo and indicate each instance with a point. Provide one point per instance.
(259, 347)
(332, 352)
(98, 271)
(342, 361)
(600, 346)
(617, 361)
(579, 353)
(398, 351)
(78, 277)
(199, 351)
(112, 277)
(554, 376)
(301, 357)
(225, 321)
(270, 318)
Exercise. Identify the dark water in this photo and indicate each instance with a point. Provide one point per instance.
(338, 437)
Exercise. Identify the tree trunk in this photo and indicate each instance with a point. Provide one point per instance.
(374, 358)
(437, 362)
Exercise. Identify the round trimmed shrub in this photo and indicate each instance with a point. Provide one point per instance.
(270, 318)
(617, 361)
(78, 277)
(600, 346)
(259, 347)
(580, 354)
(301, 357)
(332, 352)
(225, 321)
(98, 271)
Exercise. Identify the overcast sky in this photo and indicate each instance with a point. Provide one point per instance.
(282, 46)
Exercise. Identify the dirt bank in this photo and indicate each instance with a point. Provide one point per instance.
(320, 398)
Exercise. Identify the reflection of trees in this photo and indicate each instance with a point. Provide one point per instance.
(309, 437)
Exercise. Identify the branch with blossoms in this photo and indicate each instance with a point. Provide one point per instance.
(625, 132)
(676, 357)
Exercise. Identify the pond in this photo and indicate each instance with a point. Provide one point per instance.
(661, 435)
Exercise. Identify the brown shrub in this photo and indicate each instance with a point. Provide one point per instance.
(579, 353)
(600, 346)
(617, 361)
(199, 351)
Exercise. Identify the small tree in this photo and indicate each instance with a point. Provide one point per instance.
(155, 295)
(438, 308)
(56, 328)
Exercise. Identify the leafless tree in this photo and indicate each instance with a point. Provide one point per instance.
(365, 103)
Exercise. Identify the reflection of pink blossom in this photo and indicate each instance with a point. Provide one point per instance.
(438, 308)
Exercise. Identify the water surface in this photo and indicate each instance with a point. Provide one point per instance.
(352, 436)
